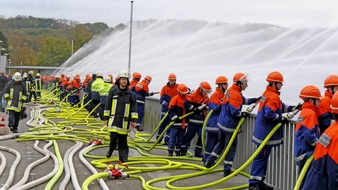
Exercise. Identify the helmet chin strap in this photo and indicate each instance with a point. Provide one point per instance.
(221, 87)
(332, 90)
(276, 87)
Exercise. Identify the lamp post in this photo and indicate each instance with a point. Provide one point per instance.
(9, 64)
(130, 34)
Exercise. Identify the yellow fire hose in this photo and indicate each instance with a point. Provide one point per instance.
(67, 130)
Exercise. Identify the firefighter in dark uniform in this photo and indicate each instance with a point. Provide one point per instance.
(28, 86)
(15, 94)
(120, 113)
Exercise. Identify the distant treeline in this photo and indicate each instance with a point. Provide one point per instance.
(44, 41)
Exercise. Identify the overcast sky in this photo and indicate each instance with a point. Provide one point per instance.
(279, 12)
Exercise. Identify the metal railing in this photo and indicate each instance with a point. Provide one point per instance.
(282, 171)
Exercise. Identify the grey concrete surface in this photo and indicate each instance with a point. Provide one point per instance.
(30, 155)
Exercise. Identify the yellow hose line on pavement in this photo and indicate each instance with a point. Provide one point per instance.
(162, 134)
(63, 123)
(303, 172)
(92, 178)
(204, 186)
(58, 174)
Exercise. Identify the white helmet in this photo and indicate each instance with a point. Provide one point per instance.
(38, 74)
(16, 77)
(30, 72)
(107, 79)
(25, 75)
(124, 74)
(99, 74)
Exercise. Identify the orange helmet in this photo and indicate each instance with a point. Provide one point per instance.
(137, 75)
(205, 86)
(310, 91)
(148, 78)
(182, 89)
(334, 103)
(172, 77)
(331, 80)
(240, 77)
(221, 80)
(275, 76)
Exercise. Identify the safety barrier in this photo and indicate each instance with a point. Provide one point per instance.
(282, 170)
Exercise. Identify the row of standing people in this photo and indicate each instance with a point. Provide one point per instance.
(177, 101)
(18, 90)
(227, 114)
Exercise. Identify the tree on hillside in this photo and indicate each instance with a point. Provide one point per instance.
(81, 36)
(24, 54)
(31, 35)
(3, 43)
(54, 52)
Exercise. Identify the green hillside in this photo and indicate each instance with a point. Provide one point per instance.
(44, 41)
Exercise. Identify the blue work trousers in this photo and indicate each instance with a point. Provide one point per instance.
(212, 140)
(193, 129)
(140, 110)
(259, 166)
(175, 140)
(224, 139)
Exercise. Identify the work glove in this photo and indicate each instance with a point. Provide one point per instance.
(177, 120)
(201, 107)
(298, 106)
(256, 99)
(151, 94)
(197, 111)
(244, 114)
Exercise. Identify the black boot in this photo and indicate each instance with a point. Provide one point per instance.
(264, 186)
(254, 187)
(209, 164)
(109, 153)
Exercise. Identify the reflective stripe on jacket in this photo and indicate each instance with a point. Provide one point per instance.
(306, 133)
(120, 109)
(167, 93)
(176, 110)
(15, 94)
(269, 114)
(324, 112)
(192, 102)
(37, 85)
(324, 168)
(97, 84)
(217, 99)
(231, 110)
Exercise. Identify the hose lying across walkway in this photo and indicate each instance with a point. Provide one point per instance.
(53, 120)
